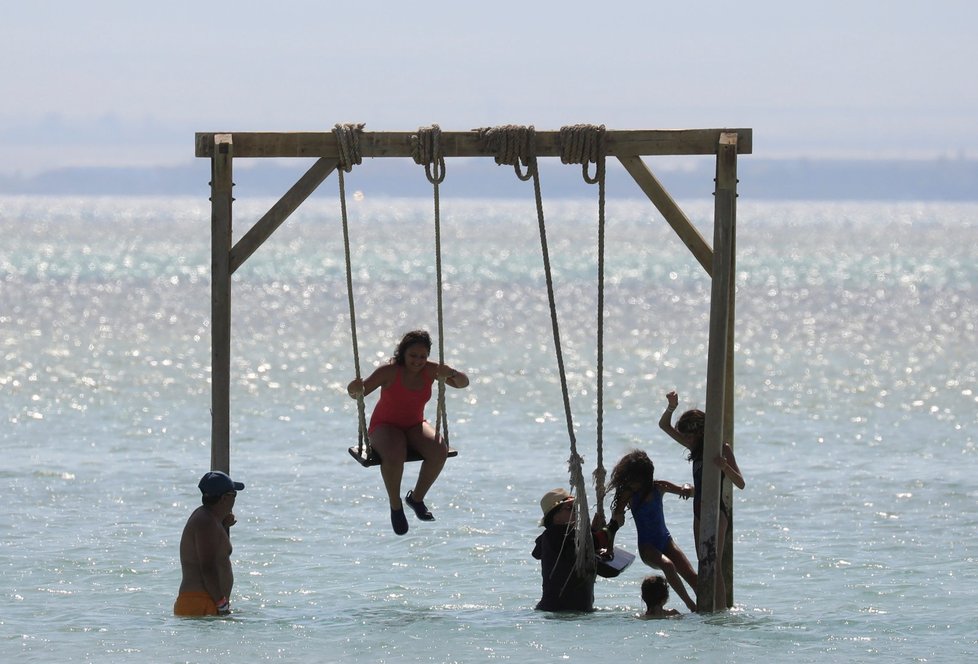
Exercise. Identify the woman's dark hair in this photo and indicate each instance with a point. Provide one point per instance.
(636, 466)
(655, 590)
(412, 338)
(693, 423)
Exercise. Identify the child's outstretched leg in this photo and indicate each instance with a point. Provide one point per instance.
(655, 558)
(682, 564)
(677, 584)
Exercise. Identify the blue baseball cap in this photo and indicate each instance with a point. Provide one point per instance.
(216, 483)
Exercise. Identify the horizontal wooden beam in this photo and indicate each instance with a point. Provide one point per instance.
(468, 144)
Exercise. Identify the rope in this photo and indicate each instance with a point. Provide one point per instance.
(347, 140)
(348, 145)
(584, 144)
(516, 145)
(513, 145)
(426, 149)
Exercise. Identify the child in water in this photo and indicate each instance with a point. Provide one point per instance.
(655, 594)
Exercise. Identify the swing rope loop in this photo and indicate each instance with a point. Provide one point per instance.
(348, 145)
(426, 150)
(587, 144)
(517, 145)
(584, 144)
(513, 145)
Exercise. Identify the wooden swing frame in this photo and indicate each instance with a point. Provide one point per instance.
(628, 146)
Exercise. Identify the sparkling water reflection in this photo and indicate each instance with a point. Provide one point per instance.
(856, 413)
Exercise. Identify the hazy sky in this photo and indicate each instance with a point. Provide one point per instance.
(130, 81)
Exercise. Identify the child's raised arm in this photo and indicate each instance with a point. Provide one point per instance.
(665, 422)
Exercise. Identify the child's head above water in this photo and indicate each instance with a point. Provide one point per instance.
(655, 592)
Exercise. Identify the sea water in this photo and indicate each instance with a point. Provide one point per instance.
(856, 402)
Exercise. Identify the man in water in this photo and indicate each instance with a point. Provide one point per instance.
(205, 550)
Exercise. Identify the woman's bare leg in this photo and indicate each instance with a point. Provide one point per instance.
(423, 440)
(391, 445)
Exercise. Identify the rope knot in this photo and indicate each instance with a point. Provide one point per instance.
(426, 149)
(512, 145)
(584, 144)
(348, 144)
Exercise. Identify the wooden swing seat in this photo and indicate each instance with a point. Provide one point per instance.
(612, 567)
(374, 459)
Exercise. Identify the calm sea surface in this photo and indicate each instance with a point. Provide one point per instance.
(856, 413)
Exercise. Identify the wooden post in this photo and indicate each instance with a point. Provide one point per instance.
(717, 365)
(730, 191)
(221, 199)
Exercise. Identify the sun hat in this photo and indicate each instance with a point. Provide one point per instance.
(551, 500)
(216, 483)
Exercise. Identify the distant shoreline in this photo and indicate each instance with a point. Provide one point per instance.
(945, 179)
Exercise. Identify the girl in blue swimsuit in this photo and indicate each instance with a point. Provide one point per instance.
(634, 485)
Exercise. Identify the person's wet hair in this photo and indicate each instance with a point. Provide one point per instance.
(410, 339)
(655, 591)
(634, 467)
(693, 423)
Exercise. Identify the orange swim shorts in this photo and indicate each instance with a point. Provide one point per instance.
(194, 603)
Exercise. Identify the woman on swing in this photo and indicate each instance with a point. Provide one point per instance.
(397, 423)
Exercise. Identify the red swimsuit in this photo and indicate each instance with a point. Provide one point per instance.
(398, 406)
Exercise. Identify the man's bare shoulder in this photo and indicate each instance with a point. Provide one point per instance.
(202, 521)
(199, 515)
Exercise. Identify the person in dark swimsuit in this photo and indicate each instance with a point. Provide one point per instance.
(397, 423)
(688, 432)
(564, 588)
(635, 487)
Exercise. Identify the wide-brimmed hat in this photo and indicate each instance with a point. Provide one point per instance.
(551, 500)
